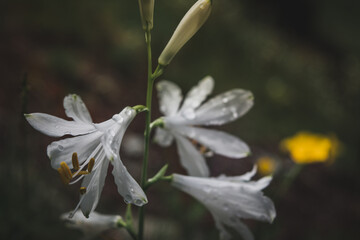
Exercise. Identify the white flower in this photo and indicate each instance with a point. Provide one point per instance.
(88, 153)
(180, 122)
(230, 199)
(92, 226)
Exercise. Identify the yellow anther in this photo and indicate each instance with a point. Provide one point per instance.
(75, 161)
(83, 173)
(91, 165)
(63, 177)
(66, 170)
(203, 149)
(82, 190)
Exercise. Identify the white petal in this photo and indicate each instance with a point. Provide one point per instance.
(242, 178)
(57, 127)
(84, 146)
(196, 96)
(228, 201)
(113, 136)
(236, 225)
(94, 183)
(224, 108)
(219, 142)
(126, 184)
(170, 96)
(190, 158)
(76, 109)
(163, 137)
(92, 226)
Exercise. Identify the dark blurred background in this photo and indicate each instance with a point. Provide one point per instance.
(301, 59)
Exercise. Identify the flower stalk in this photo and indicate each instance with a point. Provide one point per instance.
(150, 82)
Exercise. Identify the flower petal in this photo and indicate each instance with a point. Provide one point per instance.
(190, 158)
(223, 108)
(126, 184)
(92, 226)
(84, 146)
(235, 224)
(242, 178)
(163, 137)
(57, 127)
(170, 96)
(76, 109)
(113, 136)
(94, 183)
(196, 96)
(219, 142)
(229, 201)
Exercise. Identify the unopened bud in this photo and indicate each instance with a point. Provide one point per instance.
(188, 26)
(147, 13)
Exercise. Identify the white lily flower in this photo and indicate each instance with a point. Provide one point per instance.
(89, 152)
(92, 226)
(181, 122)
(230, 199)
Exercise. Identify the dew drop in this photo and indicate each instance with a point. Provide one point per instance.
(132, 190)
(226, 207)
(128, 111)
(127, 199)
(60, 147)
(234, 113)
(189, 114)
(138, 202)
(225, 100)
(117, 118)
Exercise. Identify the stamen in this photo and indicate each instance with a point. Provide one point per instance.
(91, 165)
(82, 190)
(75, 161)
(66, 170)
(63, 177)
(202, 149)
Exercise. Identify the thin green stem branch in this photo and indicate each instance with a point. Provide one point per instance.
(147, 129)
(150, 83)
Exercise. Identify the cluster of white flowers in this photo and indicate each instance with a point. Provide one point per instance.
(229, 199)
(89, 147)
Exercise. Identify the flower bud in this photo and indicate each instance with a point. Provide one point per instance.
(147, 13)
(188, 26)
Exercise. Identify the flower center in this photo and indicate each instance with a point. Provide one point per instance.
(202, 149)
(66, 175)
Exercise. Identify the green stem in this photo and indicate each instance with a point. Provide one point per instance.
(150, 82)
(147, 129)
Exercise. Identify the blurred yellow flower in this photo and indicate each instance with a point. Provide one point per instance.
(266, 165)
(306, 147)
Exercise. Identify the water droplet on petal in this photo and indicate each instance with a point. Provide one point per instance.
(225, 100)
(117, 118)
(138, 202)
(234, 113)
(127, 199)
(60, 147)
(189, 114)
(128, 111)
(226, 207)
